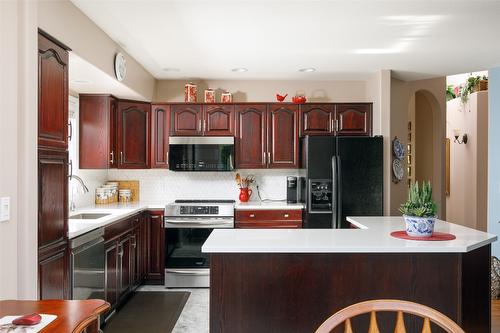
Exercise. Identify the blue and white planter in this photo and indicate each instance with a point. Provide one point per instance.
(419, 226)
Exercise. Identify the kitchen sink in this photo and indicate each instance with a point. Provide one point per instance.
(88, 216)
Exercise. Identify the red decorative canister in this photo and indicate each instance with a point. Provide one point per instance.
(190, 93)
(226, 97)
(209, 96)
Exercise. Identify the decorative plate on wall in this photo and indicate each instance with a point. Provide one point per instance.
(398, 149)
(120, 66)
(397, 170)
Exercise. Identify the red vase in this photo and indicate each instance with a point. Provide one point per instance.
(245, 194)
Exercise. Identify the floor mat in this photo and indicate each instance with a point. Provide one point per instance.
(148, 311)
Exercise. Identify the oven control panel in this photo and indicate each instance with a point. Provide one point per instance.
(199, 210)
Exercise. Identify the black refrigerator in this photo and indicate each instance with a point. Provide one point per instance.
(344, 177)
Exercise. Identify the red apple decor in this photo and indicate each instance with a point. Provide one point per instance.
(28, 320)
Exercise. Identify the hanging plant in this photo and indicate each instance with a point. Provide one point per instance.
(450, 93)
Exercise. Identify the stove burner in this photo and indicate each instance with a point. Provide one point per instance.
(205, 201)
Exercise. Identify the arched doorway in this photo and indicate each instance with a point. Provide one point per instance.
(426, 143)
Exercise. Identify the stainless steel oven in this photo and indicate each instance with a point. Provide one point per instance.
(188, 223)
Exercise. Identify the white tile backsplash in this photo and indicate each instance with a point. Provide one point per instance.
(157, 185)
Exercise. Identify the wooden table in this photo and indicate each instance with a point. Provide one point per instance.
(72, 316)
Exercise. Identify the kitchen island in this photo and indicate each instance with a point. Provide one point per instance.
(292, 280)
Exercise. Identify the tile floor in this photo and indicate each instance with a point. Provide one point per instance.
(194, 316)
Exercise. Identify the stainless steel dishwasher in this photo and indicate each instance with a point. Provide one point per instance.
(87, 265)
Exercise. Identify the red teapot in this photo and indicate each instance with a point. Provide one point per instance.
(299, 99)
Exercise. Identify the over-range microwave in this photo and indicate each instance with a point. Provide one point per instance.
(193, 153)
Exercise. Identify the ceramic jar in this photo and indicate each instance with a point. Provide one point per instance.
(125, 195)
(190, 92)
(209, 96)
(226, 97)
(419, 226)
(245, 194)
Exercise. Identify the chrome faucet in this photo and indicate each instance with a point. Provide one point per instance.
(72, 205)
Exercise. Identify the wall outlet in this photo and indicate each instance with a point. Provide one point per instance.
(4, 209)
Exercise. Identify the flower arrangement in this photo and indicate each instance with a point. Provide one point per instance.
(419, 203)
(244, 182)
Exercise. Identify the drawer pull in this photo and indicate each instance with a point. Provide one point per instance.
(252, 215)
(286, 215)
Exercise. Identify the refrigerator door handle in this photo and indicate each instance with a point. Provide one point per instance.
(339, 192)
(334, 192)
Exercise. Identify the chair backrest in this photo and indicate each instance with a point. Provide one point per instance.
(372, 307)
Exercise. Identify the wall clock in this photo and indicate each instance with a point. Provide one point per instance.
(120, 66)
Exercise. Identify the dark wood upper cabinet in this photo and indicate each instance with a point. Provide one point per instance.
(159, 135)
(354, 119)
(283, 136)
(218, 120)
(52, 197)
(133, 134)
(250, 142)
(52, 93)
(186, 120)
(97, 132)
(317, 119)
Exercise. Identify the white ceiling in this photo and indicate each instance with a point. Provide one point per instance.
(205, 39)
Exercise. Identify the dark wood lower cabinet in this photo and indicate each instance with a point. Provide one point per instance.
(126, 248)
(268, 219)
(53, 272)
(156, 248)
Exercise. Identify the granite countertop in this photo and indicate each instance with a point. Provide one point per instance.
(116, 211)
(373, 236)
(262, 205)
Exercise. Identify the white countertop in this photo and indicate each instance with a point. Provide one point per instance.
(263, 205)
(372, 237)
(116, 211)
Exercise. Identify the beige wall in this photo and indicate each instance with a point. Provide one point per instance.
(467, 201)
(18, 165)
(66, 22)
(401, 102)
(424, 140)
(265, 91)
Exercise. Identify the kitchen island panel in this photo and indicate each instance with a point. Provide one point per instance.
(286, 292)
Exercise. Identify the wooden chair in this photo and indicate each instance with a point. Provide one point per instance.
(400, 307)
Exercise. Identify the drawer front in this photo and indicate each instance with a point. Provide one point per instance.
(269, 225)
(268, 215)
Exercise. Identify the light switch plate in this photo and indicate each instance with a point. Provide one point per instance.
(4, 209)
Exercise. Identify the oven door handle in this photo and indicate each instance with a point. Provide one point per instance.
(199, 223)
(189, 272)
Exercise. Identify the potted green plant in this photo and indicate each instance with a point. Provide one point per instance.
(419, 211)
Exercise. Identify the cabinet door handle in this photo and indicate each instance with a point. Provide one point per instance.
(70, 164)
(268, 158)
(134, 242)
(199, 126)
(205, 125)
(112, 160)
(121, 157)
(120, 251)
(264, 161)
(336, 125)
(252, 215)
(286, 215)
(166, 158)
(70, 136)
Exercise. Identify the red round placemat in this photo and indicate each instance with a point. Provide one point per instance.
(436, 236)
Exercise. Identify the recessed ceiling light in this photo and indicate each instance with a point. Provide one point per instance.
(81, 81)
(239, 70)
(171, 69)
(307, 70)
